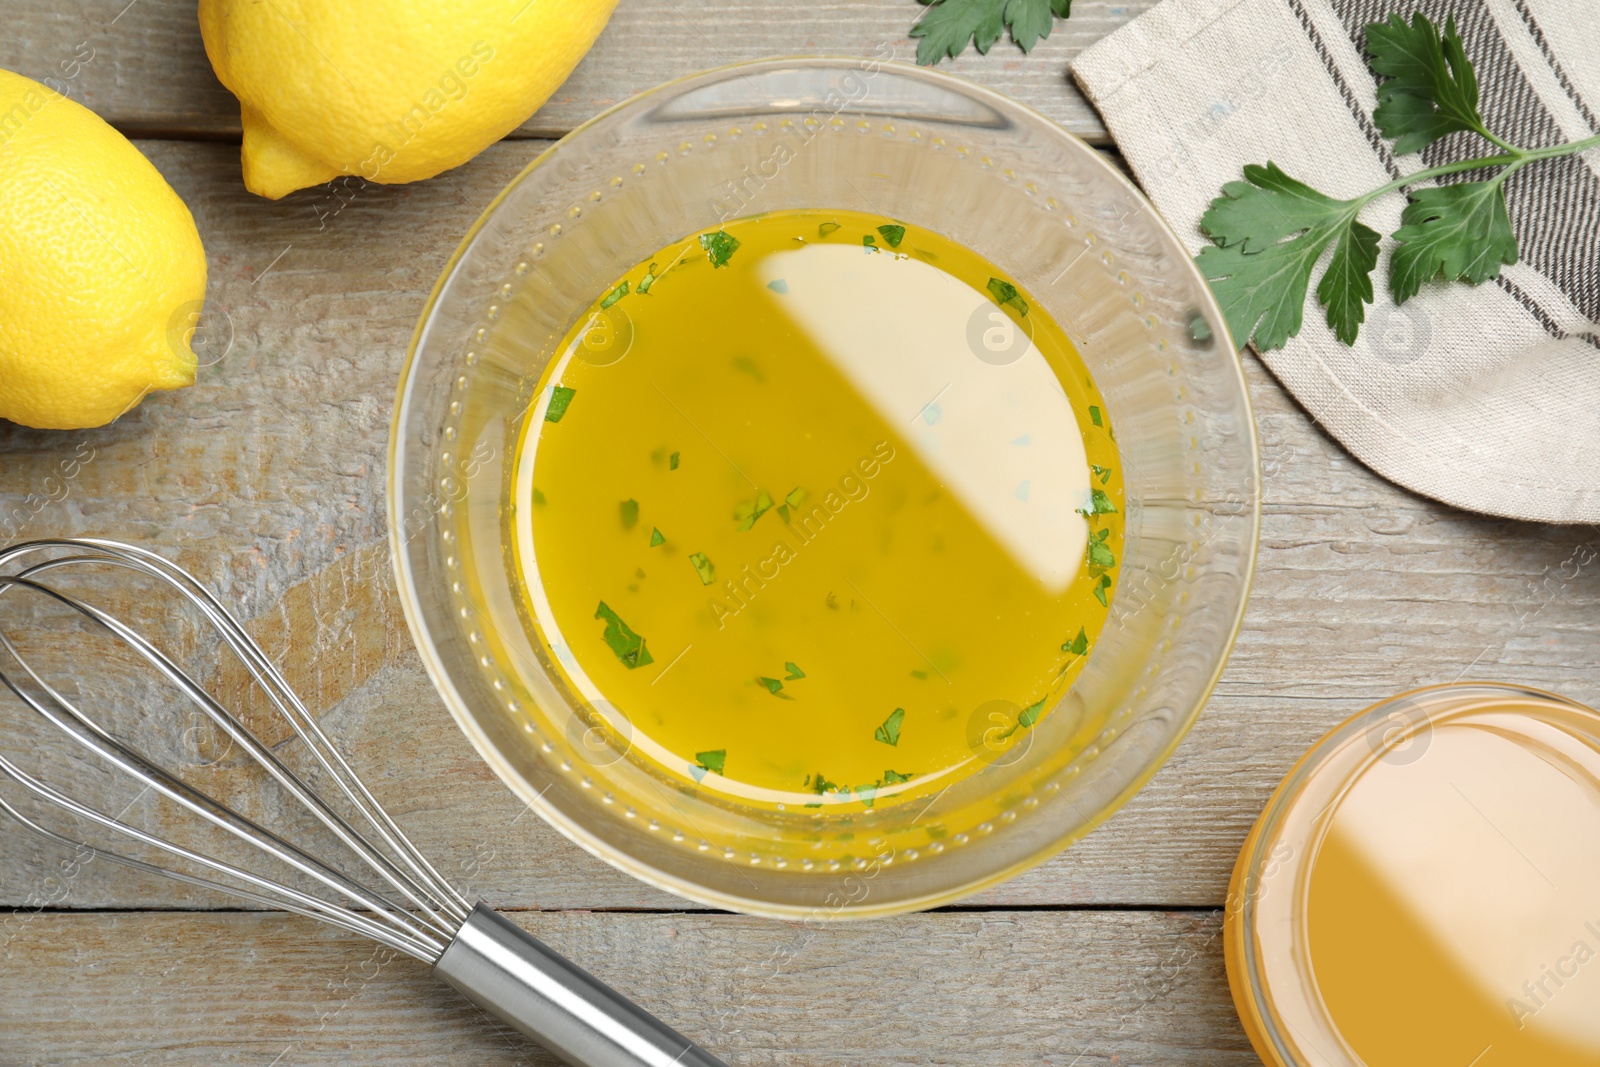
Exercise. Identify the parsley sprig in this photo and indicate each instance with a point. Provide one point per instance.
(1270, 230)
(948, 26)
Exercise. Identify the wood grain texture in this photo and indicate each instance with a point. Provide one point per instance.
(266, 477)
(145, 69)
(1091, 989)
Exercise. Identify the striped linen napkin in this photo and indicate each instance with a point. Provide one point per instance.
(1485, 397)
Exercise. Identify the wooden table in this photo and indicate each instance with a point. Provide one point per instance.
(267, 478)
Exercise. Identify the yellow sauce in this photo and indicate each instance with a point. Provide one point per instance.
(822, 506)
(1453, 909)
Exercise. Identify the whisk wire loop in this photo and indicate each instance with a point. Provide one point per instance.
(489, 959)
(439, 910)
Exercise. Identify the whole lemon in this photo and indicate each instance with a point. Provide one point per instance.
(101, 269)
(389, 90)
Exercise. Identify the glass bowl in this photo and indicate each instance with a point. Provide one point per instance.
(927, 149)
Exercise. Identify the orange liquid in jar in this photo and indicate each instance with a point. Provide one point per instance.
(1453, 907)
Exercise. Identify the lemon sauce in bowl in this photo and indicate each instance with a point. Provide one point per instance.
(823, 488)
(818, 510)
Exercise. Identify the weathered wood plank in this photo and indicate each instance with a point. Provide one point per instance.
(145, 69)
(267, 478)
(1088, 988)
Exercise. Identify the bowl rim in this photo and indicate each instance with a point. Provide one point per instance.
(411, 606)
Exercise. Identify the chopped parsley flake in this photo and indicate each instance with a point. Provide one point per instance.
(628, 645)
(1078, 645)
(1094, 416)
(827, 228)
(614, 295)
(922, 675)
(629, 510)
(1006, 293)
(672, 462)
(719, 246)
(1099, 504)
(538, 496)
(869, 242)
(1100, 555)
(889, 732)
(1100, 589)
(795, 497)
(795, 673)
(821, 785)
(895, 777)
(655, 537)
(712, 761)
(867, 793)
(560, 400)
(703, 567)
(647, 281)
(1030, 715)
(747, 514)
(893, 235)
(772, 684)
(1103, 473)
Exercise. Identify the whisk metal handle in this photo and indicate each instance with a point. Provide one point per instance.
(514, 975)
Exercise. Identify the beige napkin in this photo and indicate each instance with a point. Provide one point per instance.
(1484, 397)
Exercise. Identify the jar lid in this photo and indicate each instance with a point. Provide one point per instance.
(1424, 888)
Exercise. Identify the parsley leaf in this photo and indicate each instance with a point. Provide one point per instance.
(616, 294)
(1100, 556)
(795, 673)
(628, 645)
(1458, 231)
(1269, 230)
(1006, 293)
(656, 538)
(719, 246)
(869, 242)
(1078, 645)
(647, 281)
(712, 761)
(1095, 417)
(703, 567)
(893, 235)
(826, 228)
(747, 514)
(672, 461)
(629, 510)
(1030, 714)
(1103, 473)
(560, 400)
(1431, 90)
(889, 732)
(949, 25)
(822, 785)
(1100, 590)
(774, 686)
(1099, 503)
(895, 778)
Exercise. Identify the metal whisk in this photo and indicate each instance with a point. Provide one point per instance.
(488, 959)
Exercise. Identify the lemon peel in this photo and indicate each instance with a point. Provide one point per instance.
(390, 91)
(102, 274)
